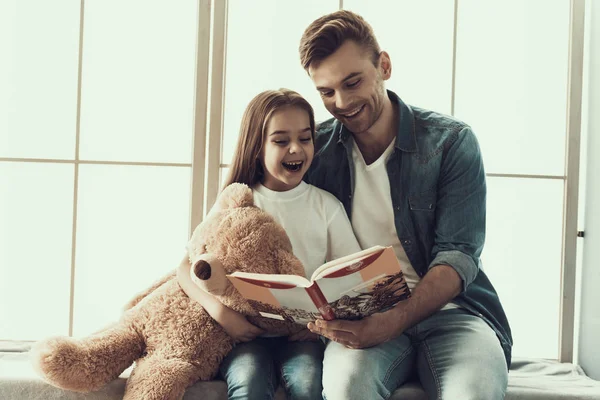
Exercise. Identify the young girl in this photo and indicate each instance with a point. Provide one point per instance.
(274, 151)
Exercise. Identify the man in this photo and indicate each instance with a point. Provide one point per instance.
(412, 179)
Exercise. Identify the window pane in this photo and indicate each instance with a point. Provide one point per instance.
(36, 224)
(39, 41)
(511, 80)
(262, 53)
(138, 80)
(132, 225)
(418, 37)
(522, 257)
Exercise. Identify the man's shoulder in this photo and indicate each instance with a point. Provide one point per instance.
(435, 122)
(326, 132)
(435, 132)
(325, 127)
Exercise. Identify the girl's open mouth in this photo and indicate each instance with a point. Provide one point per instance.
(293, 166)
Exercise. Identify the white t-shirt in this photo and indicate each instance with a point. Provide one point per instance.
(314, 220)
(373, 212)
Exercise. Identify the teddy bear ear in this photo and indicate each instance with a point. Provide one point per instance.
(236, 195)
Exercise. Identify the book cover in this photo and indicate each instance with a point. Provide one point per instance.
(351, 287)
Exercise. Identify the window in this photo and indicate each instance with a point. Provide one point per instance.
(92, 212)
(263, 37)
(102, 121)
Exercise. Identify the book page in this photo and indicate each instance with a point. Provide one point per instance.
(344, 261)
(277, 300)
(295, 280)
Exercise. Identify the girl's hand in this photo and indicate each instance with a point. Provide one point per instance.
(304, 336)
(237, 326)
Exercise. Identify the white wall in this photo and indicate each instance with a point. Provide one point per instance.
(589, 335)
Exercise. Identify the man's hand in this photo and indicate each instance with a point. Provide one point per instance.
(237, 326)
(367, 332)
(304, 336)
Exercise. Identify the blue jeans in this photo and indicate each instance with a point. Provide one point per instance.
(453, 353)
(252, 369)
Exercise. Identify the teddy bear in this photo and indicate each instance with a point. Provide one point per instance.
(172, 340)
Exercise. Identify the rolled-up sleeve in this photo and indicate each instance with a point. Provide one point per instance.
(461, 207)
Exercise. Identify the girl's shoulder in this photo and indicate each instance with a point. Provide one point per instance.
(323, 197)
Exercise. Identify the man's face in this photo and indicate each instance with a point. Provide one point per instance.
(351, 87)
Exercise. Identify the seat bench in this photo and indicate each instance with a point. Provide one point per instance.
(528, 380)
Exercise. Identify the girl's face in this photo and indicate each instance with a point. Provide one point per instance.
(287, 150)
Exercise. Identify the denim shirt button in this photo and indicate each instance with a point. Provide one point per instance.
(406, 242)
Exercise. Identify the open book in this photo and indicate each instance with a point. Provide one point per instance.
(350, 287)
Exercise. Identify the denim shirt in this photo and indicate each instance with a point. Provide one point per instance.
(438, 191)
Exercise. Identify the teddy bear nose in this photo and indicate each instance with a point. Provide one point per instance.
(202, 270)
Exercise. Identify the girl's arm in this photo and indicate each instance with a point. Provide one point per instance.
(341, 240)
(234, 323)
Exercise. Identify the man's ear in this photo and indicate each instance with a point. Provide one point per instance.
(385, 65)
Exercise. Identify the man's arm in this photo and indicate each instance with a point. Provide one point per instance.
(460, 233)
(439, 286)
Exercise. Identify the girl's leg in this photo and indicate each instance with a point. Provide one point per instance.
(249, 371)
(301, 368)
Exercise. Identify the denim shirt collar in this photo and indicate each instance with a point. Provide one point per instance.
(405, 136)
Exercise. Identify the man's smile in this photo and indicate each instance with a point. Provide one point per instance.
(353, 113)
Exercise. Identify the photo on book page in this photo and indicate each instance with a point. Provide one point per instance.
(380, 294)
(372, 284)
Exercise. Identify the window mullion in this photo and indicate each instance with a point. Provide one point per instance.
(569, 254)
(200, 114)
(76, 169)
(217, 101)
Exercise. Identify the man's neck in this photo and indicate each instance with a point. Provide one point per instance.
(373, 142)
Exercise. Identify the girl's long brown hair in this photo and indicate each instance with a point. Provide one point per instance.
(245, 166)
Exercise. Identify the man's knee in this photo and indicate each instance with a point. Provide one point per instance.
(476, 389)
(353, 377)
(486, 382)
(369, 373)
(356, 386)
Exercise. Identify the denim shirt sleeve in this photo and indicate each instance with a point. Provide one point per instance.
(461, 207)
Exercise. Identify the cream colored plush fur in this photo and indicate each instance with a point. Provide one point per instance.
(170, 337)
